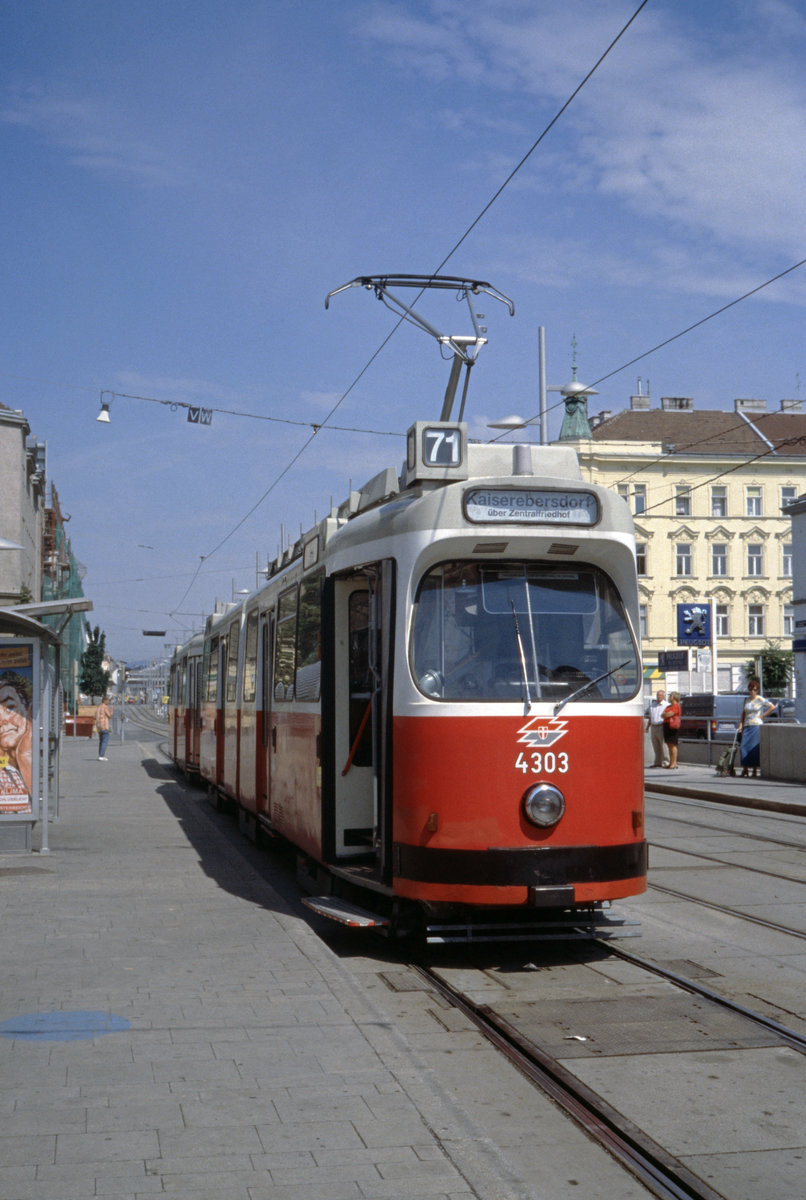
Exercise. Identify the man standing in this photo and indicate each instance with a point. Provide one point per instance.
(654, 723)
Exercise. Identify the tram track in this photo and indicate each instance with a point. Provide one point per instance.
(146, 719)
(745, 835)
(664, 1174)
(725, 910)
(722, 862)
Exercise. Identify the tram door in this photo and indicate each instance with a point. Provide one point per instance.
(221, 716)
(194, 710)
(357, 807)
(265, 730)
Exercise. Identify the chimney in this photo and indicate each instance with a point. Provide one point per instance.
(750, 405)
(791, 406)
(640, 401)
(597, 419)
(676, 403)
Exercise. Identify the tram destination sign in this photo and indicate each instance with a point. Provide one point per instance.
(531, 506)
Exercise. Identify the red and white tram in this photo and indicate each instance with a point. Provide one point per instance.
(436, 697)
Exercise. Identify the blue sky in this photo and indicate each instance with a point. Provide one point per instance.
(185, 180)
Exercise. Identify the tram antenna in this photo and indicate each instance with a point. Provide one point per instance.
(465, 347)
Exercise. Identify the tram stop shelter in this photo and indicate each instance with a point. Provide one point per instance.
(31, 718)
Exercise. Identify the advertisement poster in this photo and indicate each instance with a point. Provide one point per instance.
(16, 728)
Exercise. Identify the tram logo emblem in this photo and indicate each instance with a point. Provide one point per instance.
(543, 732)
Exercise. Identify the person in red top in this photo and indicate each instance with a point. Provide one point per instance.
(671, 727)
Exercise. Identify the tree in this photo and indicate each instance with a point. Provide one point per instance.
(776, 669)
(94, 680)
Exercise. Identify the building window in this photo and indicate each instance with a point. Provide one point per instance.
(753, 501)
(642, 621)
(640, 557)
(682, 501)
(682, 558)
(786, 559)
(789, 620)
(722, 621)
(635, 496)
(755, 620)
(719, 558)
(719, 501)
(788, 495)
(755, 558)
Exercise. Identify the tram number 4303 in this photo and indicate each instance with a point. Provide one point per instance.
(542, 762)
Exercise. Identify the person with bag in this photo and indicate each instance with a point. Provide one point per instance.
(756, 708)
(671, 728)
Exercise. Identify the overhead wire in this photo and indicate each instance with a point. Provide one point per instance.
(682, 333)
(792, 441)
(234, 412)
(445, 260)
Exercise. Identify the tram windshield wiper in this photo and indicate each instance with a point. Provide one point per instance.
(590, 683)
(522, 659)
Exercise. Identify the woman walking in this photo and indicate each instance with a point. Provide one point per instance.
(756, 708)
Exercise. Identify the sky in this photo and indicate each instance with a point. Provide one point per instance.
(184, 181)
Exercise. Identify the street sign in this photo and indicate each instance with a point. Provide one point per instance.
(673, 660)
(694, 624)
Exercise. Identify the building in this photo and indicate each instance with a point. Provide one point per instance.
(62, 576)
(708, 491)
(22, 502)
(40, 566)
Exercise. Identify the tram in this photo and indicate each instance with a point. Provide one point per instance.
(436, 697)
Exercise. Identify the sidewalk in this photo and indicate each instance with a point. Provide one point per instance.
(702, 783)
(168, 1026)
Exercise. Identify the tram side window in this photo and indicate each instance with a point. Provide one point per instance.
(232, 665)
(210, 686)
(224, 659)
(309, 638)
(250, 658)
(285, 646)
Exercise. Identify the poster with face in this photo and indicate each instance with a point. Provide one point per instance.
(16, 728)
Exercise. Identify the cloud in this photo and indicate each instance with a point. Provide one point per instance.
(94, 137)
(696, 126)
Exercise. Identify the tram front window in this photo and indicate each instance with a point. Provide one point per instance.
(531, 631)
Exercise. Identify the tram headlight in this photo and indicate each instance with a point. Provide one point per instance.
(543, 805)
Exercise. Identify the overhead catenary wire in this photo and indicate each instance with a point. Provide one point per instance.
(443, 262)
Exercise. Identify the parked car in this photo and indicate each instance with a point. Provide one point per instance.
(784, 711)
(720, 715)
(708, 715)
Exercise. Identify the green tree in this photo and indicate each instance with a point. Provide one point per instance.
(94, 680)
(777, 666)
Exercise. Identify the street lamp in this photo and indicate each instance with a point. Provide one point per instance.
(103, 415)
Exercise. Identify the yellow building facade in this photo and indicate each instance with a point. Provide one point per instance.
(707, 491)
